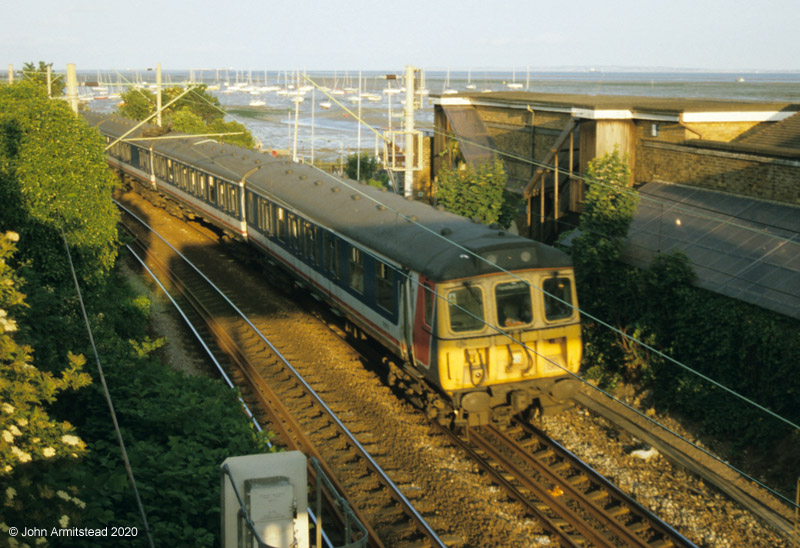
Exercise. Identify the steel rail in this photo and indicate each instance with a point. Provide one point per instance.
(397, 494)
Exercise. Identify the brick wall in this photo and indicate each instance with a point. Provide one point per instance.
(746, 174)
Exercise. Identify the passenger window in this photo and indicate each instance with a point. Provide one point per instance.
(384, 287)
(221, 195)
(331, 250)
(233, 201)
(281, 215)
(212, 190)
(310, 243)
(466, 309)
(513, 304)
(356, 269)
(557, 298)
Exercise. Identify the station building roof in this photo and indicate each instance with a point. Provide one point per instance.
(741, 247)
(616, 107)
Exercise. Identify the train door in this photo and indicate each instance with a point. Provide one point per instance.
(423, 322)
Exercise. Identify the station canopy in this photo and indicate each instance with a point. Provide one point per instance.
(738, 246)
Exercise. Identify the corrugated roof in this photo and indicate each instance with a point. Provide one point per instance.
(740, 247)
(783, 134)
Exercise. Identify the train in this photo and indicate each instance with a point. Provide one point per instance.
(484, 323)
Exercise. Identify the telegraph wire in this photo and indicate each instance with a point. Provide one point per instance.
(107, 394)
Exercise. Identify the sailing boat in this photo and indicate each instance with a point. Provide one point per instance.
(446, 89)
(470, 85)
(513, 84)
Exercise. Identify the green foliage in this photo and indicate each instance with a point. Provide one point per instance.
(35, 448)
(39, 75)
(747, 349)
(608, 211)
(478, 193)
(244, 139)
(368, 169)
(197, 112)
(54, 176)
(137, 103)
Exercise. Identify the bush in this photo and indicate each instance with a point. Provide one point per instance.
(478, 193)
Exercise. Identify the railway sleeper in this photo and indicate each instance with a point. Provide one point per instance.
(617, 510)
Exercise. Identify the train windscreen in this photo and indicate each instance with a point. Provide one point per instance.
(513, 304)
(466, 309)
(557, 298)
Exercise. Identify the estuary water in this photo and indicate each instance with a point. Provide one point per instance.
(326, 121)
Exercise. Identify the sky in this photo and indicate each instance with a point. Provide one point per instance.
(716, 35)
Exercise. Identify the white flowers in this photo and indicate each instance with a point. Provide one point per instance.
(49, 452)
(12, 236)
(11, 493)
(21, 455)
(69, 439)
(6, 323)
(8, 408)
(64, 521)
(8, 437)
(14, 430)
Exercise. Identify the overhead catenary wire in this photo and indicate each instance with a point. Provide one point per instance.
(592, 317)
(499, 330)
(621, 333)
(572, 306)
(589, 181)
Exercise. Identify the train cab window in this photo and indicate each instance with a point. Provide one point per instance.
(280, 215)
(557, 298)
(384, 286)
(466, 308)
(356, 269)
(513, 301)
(428, 298)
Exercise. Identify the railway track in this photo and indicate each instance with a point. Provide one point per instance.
(679, 450)
(578, 506)
(272, 387)
(603, 520)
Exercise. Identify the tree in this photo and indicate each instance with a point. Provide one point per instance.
(195, 113)
(607, 214)
(54, 177)
(478, 193)
(39, 75)
(33, 445)
(369, 170)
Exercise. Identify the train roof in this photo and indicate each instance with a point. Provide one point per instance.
(438, 244)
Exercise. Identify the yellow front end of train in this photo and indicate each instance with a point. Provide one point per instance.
(508, 343)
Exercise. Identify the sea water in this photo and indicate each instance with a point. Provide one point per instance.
(334, 132)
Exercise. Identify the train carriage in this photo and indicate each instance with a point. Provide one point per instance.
(485, 322)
